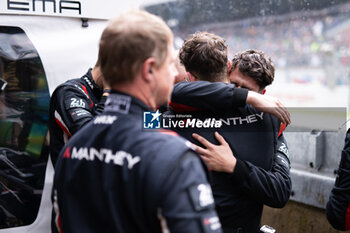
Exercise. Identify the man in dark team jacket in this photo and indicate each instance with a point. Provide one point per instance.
(115, 176)
(260, 169)
(338, 206)
(72, 105)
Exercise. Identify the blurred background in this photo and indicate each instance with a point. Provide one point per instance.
(307, 40)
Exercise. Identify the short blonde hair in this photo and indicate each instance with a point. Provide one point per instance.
(128, 41)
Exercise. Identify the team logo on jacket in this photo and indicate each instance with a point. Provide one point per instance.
(105, 119)
(201, 196)
(77, 103)
(151, 120)
(211, 223)
(105, 155)
(284, 149)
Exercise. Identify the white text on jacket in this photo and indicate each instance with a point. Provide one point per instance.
(103, 155)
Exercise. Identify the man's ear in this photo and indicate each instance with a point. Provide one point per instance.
(191, 77)
(229, 64)
(147, 69)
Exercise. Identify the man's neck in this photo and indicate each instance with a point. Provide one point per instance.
(97, 76)
(138, 90)
(224, 80)
(221, 78)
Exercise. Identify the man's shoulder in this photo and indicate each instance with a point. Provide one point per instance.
(166, 150)
(69, 84)
(70, 88)
(163, 144)
(249, 109)
(120, 127)
(167, 138)
(162, 147)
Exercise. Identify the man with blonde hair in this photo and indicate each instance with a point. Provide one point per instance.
(115, 176)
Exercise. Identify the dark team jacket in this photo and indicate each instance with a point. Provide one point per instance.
(115, 176)
(338, 206)
(261, 174)
(72, 105)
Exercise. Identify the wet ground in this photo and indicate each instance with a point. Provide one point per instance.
(297, 218)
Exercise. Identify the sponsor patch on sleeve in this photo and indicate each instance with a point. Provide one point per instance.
(201, 196)
(72, 102)
(283, 160)
(79, 113)
(283, 149)
(211, 223)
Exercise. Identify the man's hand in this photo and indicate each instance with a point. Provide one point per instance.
(269, 104)
(217, 158)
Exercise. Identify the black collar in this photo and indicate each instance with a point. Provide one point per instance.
(87, 78)
(123, 103)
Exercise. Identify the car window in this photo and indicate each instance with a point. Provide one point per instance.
(24, 107)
